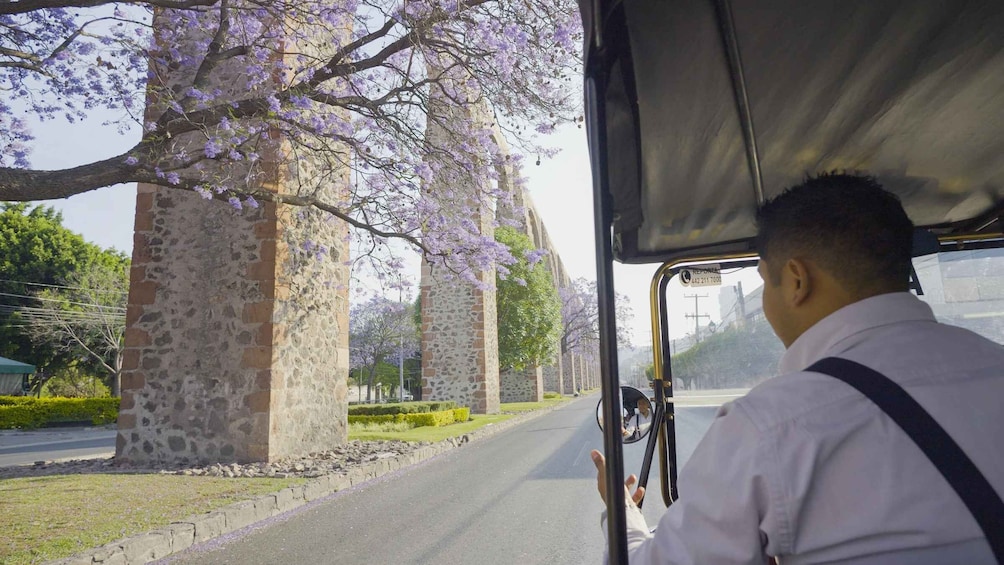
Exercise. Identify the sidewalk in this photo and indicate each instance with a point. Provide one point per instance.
(181, 535)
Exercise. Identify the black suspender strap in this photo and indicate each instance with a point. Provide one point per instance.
(960, 472)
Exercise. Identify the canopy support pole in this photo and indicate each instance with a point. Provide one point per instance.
(727, 28)
(609, 381)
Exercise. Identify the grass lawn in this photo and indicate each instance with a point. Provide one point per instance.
(477, 421)
(432, 433)
(530, 406)
(52, 517)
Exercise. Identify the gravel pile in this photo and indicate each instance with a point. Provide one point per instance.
(339, 459)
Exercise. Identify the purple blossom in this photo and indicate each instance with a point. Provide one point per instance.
(211, 149)
(513, 57)
(235, 202)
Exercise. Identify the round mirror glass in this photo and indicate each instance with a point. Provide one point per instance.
(636, 414)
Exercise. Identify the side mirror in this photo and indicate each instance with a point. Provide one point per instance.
(636, 414)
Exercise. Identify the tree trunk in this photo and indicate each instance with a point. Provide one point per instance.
(369, 390)
(117, 375)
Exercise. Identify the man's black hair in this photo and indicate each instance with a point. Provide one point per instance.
(848, 225)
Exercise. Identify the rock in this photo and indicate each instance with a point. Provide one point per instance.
(340, 458)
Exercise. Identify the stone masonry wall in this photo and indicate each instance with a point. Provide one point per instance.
(310, 364)
(522, 386)
(236, 346)
(233, 352)
(459, 319)
(459, 343)
(568, 380)
(198, 330)
(552, 377)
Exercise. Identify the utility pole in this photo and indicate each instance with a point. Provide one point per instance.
(742, 304)
(697, 315)
(400, 347)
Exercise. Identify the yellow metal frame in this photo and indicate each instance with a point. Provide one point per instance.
(654, 299)
(656, 321)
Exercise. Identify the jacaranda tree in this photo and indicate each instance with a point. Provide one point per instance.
(380, 330)
(224, 94)
(581, 318)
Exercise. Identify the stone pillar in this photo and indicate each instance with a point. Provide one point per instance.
(236, 347)
(459, 342)
(568, 372)
(460, 358)
(522, 386)
(553, 380)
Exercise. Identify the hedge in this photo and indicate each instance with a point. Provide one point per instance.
(16, 400)
(27, 412)
(417, 419)
(400, 408)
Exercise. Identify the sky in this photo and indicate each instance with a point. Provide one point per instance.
(561, 188)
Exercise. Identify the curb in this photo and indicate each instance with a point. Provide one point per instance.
(181, 535)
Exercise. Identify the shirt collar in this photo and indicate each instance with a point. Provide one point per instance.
(884, 309)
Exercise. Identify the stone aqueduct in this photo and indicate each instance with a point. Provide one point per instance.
(235, 352)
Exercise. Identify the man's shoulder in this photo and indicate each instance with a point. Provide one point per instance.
(791, 397)
(935, 354)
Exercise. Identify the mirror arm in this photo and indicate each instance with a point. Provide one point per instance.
(658, 413)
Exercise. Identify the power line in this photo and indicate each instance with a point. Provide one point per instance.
(65, 287)
(62, 301)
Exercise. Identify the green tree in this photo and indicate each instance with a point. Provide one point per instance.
(37, 252)
(529, 309)
(738, 357)
(86, 316)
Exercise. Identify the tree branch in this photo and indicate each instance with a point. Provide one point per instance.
(25, 6)
(25, 185)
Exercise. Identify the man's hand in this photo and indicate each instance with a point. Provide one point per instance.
(601, 481)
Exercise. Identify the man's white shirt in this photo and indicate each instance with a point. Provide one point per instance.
(806, 468)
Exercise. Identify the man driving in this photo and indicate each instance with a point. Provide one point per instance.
(805, 467)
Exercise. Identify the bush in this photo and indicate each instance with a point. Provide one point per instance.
(378, 427)
(27, 412)
(399, 408)
(73, 383)
(16, 400)
(439, 418)
(551, 395)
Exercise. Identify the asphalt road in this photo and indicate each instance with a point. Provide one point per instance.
(525, 496)
(24, 448)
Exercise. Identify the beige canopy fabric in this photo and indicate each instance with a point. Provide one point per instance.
(705, 105)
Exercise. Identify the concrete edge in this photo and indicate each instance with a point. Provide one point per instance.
(200, 528)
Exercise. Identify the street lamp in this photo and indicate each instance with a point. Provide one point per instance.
(400, 343)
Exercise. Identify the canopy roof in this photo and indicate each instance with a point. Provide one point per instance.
(10, 366)
(703, 105)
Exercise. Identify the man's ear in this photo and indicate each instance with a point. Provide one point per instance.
(799, 281)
